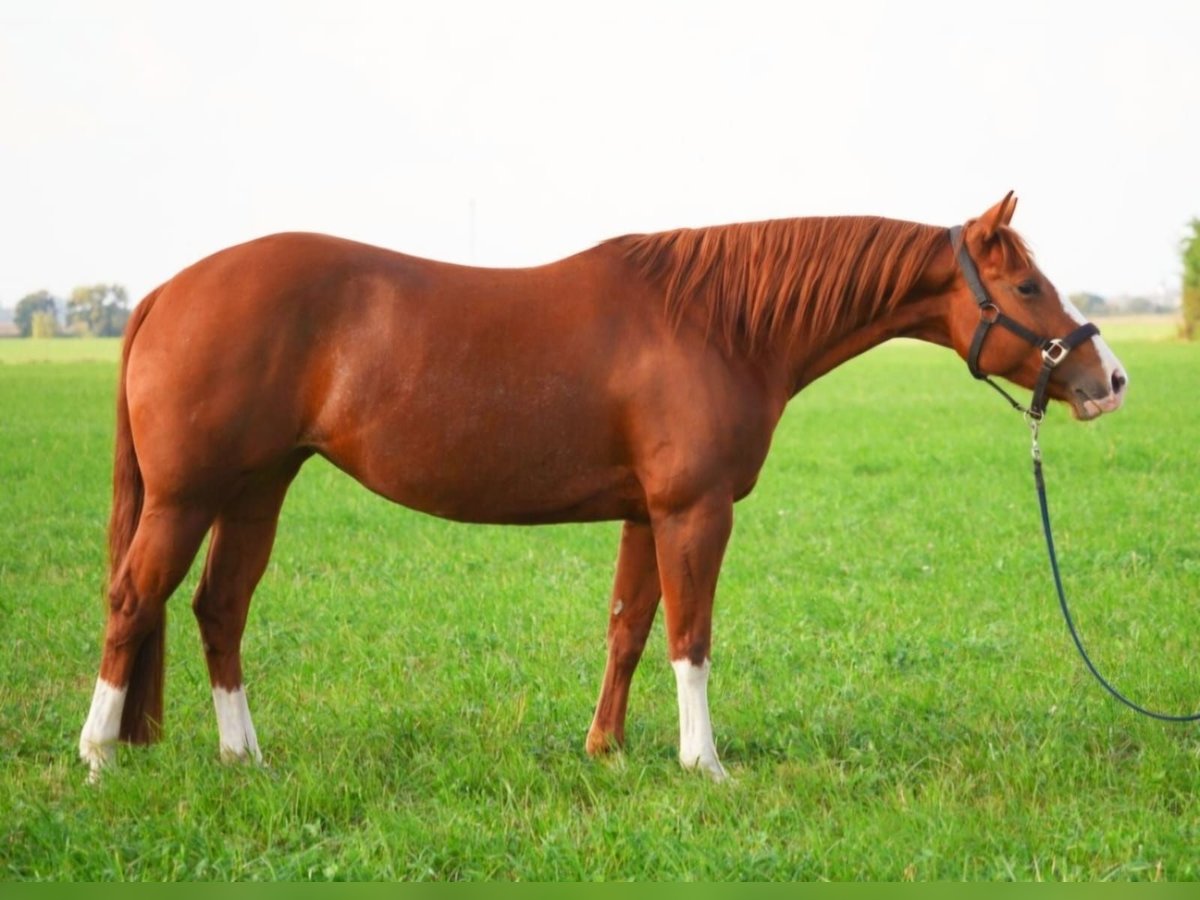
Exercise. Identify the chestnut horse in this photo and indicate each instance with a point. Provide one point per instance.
(639, 380)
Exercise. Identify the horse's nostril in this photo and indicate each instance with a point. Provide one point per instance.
(1118, 381)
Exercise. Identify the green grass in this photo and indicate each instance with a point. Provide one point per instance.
(1140, 328)
(893, 689)
(29, 350)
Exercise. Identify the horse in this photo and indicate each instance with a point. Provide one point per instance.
(639, 380)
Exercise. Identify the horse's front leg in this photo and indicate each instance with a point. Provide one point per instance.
(690, 544)
(635, 597)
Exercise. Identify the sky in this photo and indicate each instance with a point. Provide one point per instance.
(137, 137)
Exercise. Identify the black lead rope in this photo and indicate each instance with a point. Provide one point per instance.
(1040, 481)
(1054, 351)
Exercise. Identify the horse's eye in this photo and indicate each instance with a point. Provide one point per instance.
(1027, 288)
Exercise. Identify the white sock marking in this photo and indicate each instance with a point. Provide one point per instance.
(102, 727)
(696, 747)
(237, 738)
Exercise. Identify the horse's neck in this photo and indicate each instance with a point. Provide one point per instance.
(922, 313)
(921, 316)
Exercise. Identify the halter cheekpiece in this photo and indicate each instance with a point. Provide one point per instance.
(1054, 350)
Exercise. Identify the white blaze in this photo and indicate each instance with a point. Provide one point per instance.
(1108, 360)
(100, 731)
(696, 747)
(235, 730)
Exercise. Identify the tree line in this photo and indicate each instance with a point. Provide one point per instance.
(94, 310)
(1097, 305)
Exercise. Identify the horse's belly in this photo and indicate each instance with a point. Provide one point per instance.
(468, 488)
(518, 471)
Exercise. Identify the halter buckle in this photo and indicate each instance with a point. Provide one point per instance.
(989, 312)
(1054, 352)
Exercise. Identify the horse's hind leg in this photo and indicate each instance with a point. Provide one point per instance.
(127, 703)
(635, 597)
(242, 538)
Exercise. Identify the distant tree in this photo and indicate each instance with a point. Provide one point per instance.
(100, 310)
(29, 306)
(44, 325)
(1190, 251)
(1090, 304)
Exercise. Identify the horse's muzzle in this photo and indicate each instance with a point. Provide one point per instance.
(1089, 403)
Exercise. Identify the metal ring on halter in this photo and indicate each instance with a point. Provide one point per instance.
(1054, 352)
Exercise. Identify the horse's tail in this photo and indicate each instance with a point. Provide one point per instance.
(142, 714)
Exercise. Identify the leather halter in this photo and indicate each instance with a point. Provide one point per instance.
(1054, 350)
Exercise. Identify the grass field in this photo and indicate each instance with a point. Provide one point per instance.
(893, 689)
(50, 350)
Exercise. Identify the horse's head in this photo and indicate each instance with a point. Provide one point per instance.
(1043, 339)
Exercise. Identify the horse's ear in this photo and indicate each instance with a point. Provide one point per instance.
(999, 215)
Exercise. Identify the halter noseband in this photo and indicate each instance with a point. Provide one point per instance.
(1054, 350)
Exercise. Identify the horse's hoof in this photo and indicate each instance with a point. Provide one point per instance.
(710, 766)
(97, 757)
(601, 743)
(246, 756)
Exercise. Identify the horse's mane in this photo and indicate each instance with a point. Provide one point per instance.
(760, 281)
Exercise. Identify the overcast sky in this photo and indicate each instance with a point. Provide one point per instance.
(136, 137)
